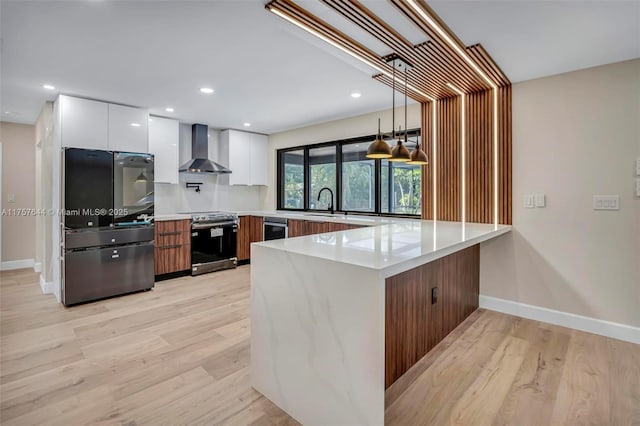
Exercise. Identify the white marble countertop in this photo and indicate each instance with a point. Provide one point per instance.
(354, 219)
(391, 248)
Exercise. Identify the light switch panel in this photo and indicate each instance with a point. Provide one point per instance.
(540, 200)
(637, 187)
(529, 202)
(11, 198)
(606, 202)
(638, 166)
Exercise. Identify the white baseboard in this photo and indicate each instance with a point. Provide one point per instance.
(37, 267)
(47, 287)
(10, 265)
(578, 322)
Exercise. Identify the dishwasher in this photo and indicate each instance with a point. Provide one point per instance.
(105, 263)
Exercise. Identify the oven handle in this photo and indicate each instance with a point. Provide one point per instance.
(212, 225)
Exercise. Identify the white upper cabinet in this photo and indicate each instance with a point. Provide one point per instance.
(128, 129)
(164, 136)
(92, 124)
(247, 157)
(84, 123)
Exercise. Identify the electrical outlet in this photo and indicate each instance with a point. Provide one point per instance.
(540, 200)
(11, 198)
(606, 202)
(529, 202)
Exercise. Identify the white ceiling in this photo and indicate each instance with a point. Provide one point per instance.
(157, 54)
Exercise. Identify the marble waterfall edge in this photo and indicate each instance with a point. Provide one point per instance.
(317, 337)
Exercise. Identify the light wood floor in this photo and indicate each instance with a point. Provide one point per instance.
(179, 355)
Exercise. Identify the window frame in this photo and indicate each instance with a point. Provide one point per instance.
(338, 144)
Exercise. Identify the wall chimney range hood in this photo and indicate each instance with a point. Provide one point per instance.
(200, 162)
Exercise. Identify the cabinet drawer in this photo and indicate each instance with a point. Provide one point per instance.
(172, 258)
(172, 232)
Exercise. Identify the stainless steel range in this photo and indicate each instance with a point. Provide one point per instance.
(213, 241)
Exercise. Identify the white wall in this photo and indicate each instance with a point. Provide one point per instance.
(215, 193)
(44, 171)
(575, 135)
(18, 179)
(352, 127)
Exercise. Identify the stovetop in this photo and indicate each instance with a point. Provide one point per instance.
(216, 216)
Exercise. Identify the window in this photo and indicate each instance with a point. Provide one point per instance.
(358, 179)
(293, 185)
(322, 174)
(401, 188)
(359, 184)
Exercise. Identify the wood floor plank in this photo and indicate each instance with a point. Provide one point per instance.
(624, 401)
(531, 396)
(480, 403)
(179, 355)
(583, 394)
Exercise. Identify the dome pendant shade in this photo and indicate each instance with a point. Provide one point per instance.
(400, 153)
(418, 156)
(379, 148)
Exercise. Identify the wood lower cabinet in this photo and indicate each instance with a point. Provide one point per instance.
(417, 318)
(299, 228)
(172, 246)
(250, 230)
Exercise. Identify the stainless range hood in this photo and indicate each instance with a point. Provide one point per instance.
(200, 162)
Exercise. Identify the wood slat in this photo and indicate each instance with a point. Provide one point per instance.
(427, 147)
(488, 65)
(449, 174)
(479, 148)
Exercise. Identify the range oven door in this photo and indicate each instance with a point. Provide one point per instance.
(213, 246)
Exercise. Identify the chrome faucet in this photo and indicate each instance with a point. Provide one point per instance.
(331, 192)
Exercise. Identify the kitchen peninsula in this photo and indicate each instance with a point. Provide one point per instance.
(344, 314)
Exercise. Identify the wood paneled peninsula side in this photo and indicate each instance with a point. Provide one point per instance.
(337, 317)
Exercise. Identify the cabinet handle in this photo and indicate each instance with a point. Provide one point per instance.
(170, 233)
(170, 247)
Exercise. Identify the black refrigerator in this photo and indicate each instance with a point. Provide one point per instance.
(108, 229)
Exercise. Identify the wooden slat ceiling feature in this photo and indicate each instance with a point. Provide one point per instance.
(399, 87)
(298, 14)
(443, 51)
(435, 63)
(427, 71)
(488, 65)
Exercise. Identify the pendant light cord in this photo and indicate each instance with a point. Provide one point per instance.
(405, 103)
(393, 103)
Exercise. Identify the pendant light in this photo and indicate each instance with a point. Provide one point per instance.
(379, 148)
(400, 153)
(417, 156)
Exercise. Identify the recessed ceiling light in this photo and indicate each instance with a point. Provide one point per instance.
(150, 119)
(355, 95)
(135, 124)
(48, 87)
(207, 90)
(247, 124)
(357, 145)
(169, 109)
